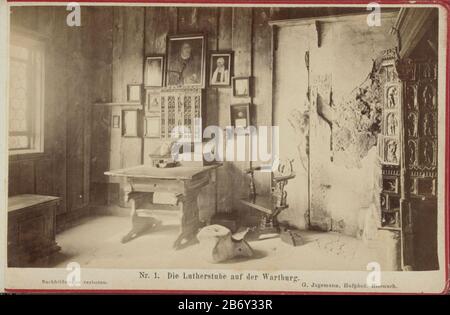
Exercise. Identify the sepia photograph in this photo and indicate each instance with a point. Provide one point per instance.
(186, 60)
(241, 87)
(220, 68)
(124, 170)
(240, 115)
(154, 71)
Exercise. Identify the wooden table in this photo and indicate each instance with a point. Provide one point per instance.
(183, 181)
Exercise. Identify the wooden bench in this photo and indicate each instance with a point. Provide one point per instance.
(31, 230)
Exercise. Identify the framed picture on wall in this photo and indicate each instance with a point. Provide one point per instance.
(154, 71)
(152, 101)
(186, 61)
(152, 126)
(240, 116)
(220, 68)
(242, 87)
(131, 125)
(134, 93)
(116, 121)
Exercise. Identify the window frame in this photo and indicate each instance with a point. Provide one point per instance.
(36, 45)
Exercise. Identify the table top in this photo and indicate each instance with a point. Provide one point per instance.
(148, 171)
(28, 200)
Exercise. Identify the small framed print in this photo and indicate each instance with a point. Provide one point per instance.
(242, 87)
(116, 121)
(154, 71)
(240, 116)
(220, 68)
(152, 126)
(134, 93)
(130, 123)
(153, 101)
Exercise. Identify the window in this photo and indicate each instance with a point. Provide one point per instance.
(26, 94)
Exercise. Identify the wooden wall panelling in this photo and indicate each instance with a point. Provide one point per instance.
(209, 24)
(128, 58)
(25, 17)
(159, 21)
(21, 177)
(77, 97)
(101, 46)
(44, 177)
(262, 73)
(56, 99)
(101, 142)
(224, 42)
(102, 92)
(242, 26)
(198, 20)
(100, 55)
(262, 66)
(242, 40)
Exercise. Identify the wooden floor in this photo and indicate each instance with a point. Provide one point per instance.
(96, 244)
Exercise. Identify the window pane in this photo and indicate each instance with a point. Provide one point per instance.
(18, 142)
(18, 97)
(25, 93)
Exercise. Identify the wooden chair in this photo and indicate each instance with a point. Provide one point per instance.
(273, 204)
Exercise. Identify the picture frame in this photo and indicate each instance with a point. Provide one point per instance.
(186, 61)
(240, 117)
(220, 68)
(116, 121)
(152, 101)
(154, 71)
(131, 126)
(152, 126)
(242, 87)
(134, 93)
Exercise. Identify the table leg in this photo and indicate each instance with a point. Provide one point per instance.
(138, 224)
(190, 221)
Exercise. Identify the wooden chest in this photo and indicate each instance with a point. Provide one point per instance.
(31, 230)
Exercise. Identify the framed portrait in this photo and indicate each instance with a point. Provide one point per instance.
(134, 93)
(240, 116)
(186, 61)
(153, 101)
(154, 71)
(152, 126)
(220, 68)
(242, 87)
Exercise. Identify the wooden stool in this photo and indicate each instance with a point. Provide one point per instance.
(217, 244)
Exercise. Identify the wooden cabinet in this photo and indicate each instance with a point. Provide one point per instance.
(31, 230)
(179, 110)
